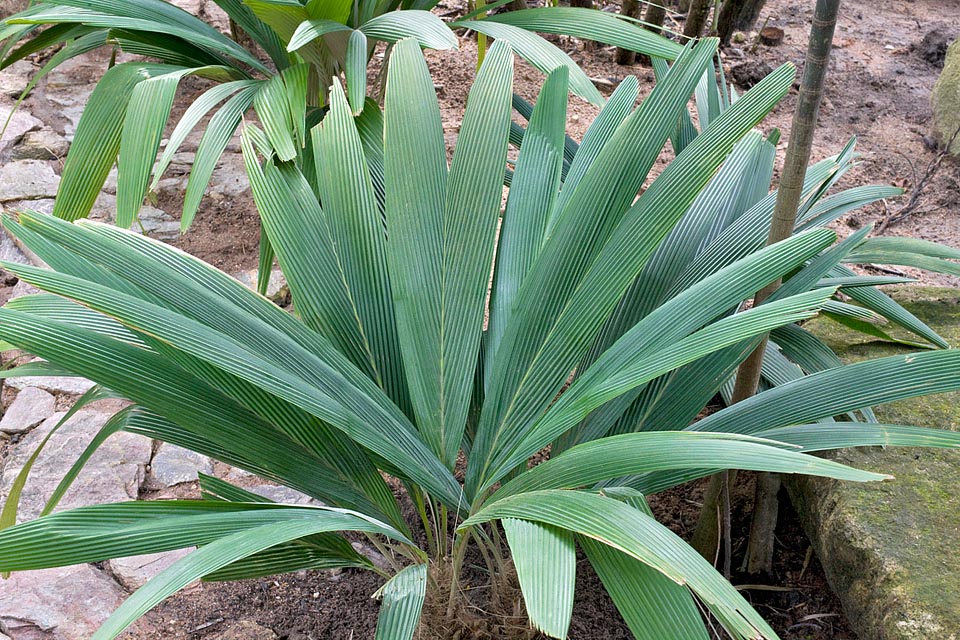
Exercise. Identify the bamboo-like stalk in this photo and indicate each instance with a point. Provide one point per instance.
(706, 537)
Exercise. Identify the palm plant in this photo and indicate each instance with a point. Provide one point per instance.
(395, 361)
(297, 48)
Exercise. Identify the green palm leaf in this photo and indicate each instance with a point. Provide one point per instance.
(402, 597)
(546, 561)
(617, 525)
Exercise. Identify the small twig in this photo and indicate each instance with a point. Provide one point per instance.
(207, 625)
(913, 203)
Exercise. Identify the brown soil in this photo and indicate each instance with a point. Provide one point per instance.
(880, 79)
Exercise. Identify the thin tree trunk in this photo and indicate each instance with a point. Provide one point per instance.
(781, 227)
(631, 9)
(696, 18)
(737, 15)
(655, 15)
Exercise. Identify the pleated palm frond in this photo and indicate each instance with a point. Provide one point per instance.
(296, 49)
(607, 323)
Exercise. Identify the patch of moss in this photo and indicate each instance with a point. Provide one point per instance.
(890, 549)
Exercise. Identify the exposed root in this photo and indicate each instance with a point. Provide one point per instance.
(477, 613)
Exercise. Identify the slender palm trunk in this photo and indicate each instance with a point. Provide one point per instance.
(696, 18)
(737, 15)
(629, 8)
(759, 552)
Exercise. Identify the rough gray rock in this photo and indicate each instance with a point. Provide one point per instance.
(44, 144)
(889, 549)
(9, 251)
(193, 7)
(277, 288)
(285, 495)
(31, 407)
(135, 571)
(19, 124)
(157, 224)
(113, 473)
(27, 180)
(229, 179)
(14, 79)
(945, 100)
(173, 465)
(23, 288)
(40, 205)
(53, 384)
(66, 603)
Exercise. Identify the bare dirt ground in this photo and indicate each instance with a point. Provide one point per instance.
(878, 90)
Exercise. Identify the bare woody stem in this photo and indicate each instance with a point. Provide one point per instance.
(781, 227)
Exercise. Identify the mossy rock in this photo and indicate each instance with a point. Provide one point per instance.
(945, 100)
(891, 550)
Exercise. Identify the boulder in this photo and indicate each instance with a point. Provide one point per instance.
(66, 603)
(112, 474)
(889, 549)
(945, 100)
(31, 407)
(27, 180)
